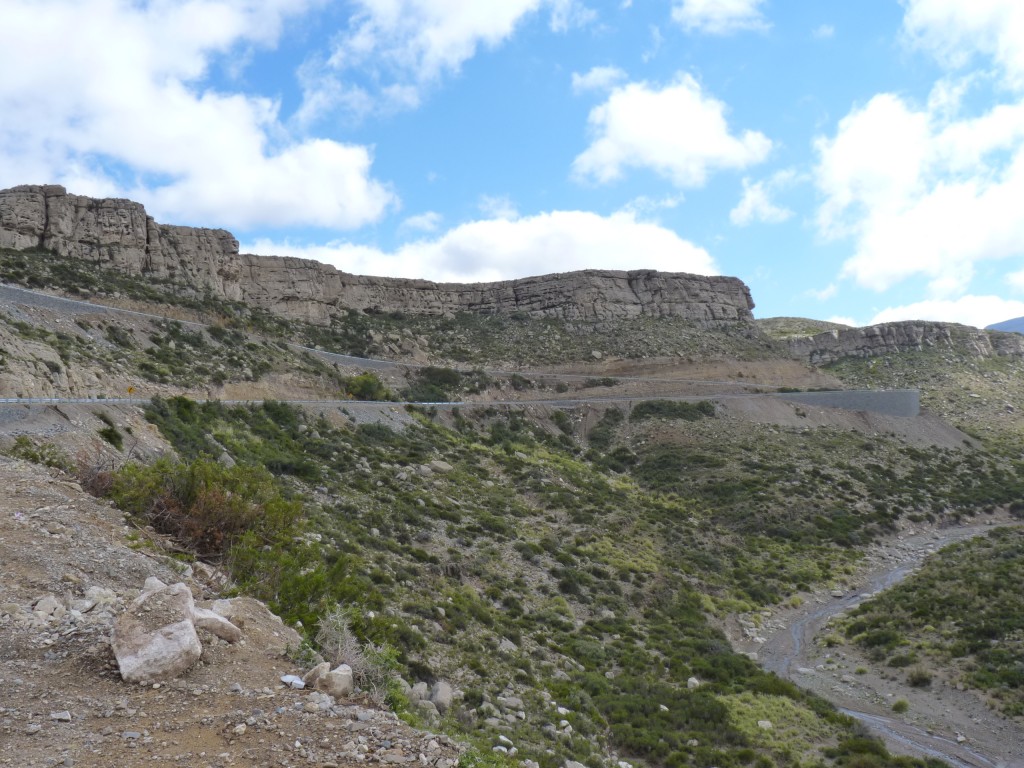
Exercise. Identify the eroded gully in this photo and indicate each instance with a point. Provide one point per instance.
(785, 645)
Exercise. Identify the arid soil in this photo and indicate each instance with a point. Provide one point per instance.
(942, 721)
(62, 701)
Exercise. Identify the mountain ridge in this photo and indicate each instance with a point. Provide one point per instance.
(119, 233)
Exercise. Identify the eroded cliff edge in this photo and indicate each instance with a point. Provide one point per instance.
(117, 233)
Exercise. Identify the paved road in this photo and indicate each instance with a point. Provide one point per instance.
(891, 403)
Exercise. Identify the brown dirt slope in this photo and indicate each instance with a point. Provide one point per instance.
(62, 701)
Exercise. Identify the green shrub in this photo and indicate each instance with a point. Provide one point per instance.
(672, 409)
(367, 386)
(112, 435)
(919, 677)
(203, 504)
(45, 453)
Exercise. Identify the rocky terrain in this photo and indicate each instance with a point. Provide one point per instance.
(70, 567)
(895, 338)
(547, 547)
(118, 233)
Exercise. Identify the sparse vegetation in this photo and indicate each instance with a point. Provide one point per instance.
(575, 556)
(962, 612)
(44, 453)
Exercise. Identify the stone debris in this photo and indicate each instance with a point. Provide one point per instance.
(156, 639)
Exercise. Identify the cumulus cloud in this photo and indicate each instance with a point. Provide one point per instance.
(923, 191)
(824, 32)
(597, 79)
(399, 48)
(719, 17)
(122, 87)
(678, 131)
(756, 204)
(958, 30)
(499, 249)
(978, 311)
(429, 221)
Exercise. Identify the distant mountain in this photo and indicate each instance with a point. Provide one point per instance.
(1013, 326)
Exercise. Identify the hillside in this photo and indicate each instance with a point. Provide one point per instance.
(567, 564)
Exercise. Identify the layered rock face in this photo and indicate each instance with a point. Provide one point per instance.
(891, 338)
(118, 233)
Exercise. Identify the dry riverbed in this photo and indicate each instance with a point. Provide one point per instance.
(941, 722)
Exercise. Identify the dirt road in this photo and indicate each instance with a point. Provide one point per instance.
(942, 722)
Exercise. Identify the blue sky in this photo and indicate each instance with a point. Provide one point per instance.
(853, 161)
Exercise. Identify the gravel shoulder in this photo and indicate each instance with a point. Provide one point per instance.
(68, 564)
(942, 722)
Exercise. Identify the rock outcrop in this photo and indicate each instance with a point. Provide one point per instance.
(119, 234)
(156, 639)
(909, 336)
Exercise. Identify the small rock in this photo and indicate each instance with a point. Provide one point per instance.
(419, 692)
(765, 725)
(63, 716)
(339, 682)
(311, 677)
(293, 681)
(441, 696)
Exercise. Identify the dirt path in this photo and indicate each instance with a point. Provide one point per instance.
(942, 722)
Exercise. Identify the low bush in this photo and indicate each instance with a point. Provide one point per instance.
(206, 506)
(672, 409)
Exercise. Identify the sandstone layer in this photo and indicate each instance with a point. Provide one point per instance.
(909, 336)
(119, 234)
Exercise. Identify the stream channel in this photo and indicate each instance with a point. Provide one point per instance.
(786, 647)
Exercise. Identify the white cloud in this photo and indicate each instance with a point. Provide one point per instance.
(825, 293)
(649, 206)
(597, 79)
(923, 191)
(958, 30)
(657, 41)
(400, 48)
(498, 207)
(1016, 280)
(719, 17)
(678, 131)
(122, 85)
(756, 204)
(500, 249)
(567, 14)
(424, 222)
(842, 320)
(978, 311)
(824, 32)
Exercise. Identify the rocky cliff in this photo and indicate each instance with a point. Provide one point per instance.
(911, 336)
(119, 234)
